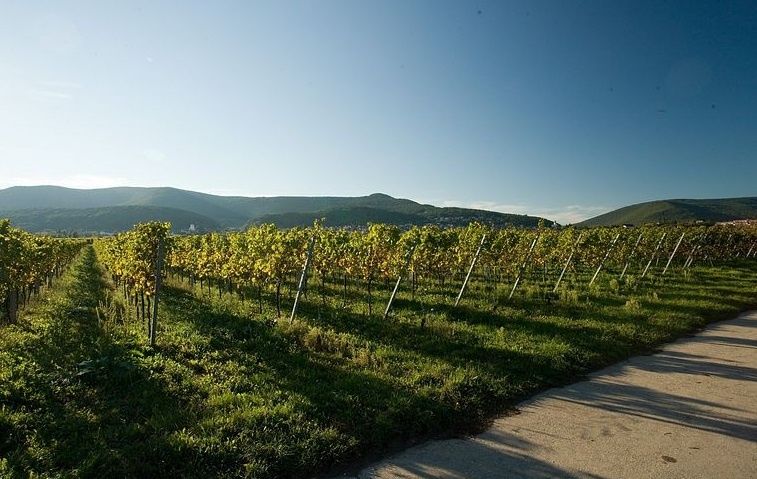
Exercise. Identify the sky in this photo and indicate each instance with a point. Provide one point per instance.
(563, 109)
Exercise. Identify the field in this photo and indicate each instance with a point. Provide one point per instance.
(231, 390)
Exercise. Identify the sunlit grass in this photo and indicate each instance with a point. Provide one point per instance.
(232, 392)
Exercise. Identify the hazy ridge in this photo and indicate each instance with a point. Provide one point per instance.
(54, 208)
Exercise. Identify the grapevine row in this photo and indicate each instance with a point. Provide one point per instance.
(134, 260)
(27, 262)
(265, 257)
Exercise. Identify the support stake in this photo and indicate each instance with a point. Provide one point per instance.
(303, 278)
(630, 255)
(607, 255)
(470, 270)
(524, 265)
(158, 283)
(692, 255)
(397, 284)
(567, 263)
(690, 258)
(654, 253)
(673, 253)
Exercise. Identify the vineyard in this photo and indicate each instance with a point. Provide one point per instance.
(285, 352)
(429, 258)
(27, 263)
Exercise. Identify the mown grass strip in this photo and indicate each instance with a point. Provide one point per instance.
(76, 396)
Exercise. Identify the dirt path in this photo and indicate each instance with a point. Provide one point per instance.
(689, 411)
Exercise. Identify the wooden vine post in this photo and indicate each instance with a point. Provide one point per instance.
(303, 278)
(607, 255)
(567, 262)
(524, 265)
(397, 284)
(630, 255)
(673, 253)
(654, 253)
(153, 321)
(470, 270)
(11, 306)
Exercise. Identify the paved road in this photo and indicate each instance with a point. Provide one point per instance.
(689, 411)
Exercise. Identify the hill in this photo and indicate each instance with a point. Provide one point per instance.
(361, 215)
(44, 208)
(352, 216)
(107, 219)
(678, 211)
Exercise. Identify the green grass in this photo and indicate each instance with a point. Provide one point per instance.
(678, 211)
(230, 392)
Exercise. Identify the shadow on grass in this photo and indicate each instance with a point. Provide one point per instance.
(89, 406)
(498, 453)
(333, 410)
(373, 411)
(365, 408)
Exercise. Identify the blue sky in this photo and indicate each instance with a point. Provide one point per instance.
(565, 109)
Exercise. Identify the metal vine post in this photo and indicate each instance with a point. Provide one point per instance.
(303, 278)
(397, 284)
(607, 255)
(524, 265)
(654, 253)
(673, 253)
(470, 270)
(567, 262)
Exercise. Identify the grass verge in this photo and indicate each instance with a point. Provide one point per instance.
(231, 392)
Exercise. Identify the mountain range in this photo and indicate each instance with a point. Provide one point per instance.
(59, 209)
(55, 208)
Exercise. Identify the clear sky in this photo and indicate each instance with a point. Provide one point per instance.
(565, 109)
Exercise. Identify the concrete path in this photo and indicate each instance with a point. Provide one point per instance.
(689, 411)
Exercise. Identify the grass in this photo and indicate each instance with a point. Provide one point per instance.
(678, 211)
(231, 392)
